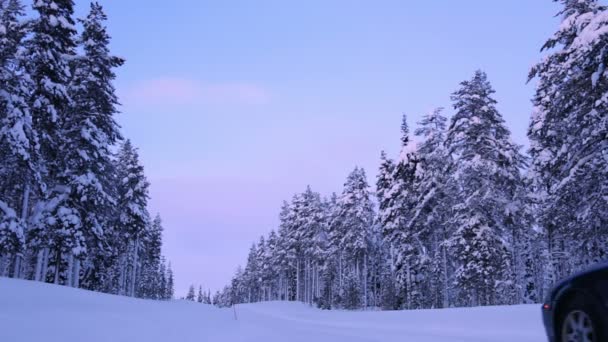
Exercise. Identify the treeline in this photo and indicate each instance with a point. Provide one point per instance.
(73, 194)
(464, 217)
(203, 297)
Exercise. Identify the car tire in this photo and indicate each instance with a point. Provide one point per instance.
(580, 318)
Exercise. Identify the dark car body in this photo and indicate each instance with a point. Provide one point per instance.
(589, 286)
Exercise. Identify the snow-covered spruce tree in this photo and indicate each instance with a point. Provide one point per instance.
(282, 258)
(199, 296)
(89, 130)
(57, 231)
(279, 262)
(263, 270)
(432, 206)
(270, 268)
(191, 296)
(407, 254)
(486, 209)
(292, 246)
(207, 299)
(132, 216)
(20, 169)
(315, 236)
(170, 290)
(238, 290)
(302, 223)
(148, 284)
(337, 262)
(162, 280)
(269, 271)
(384, 181)
(355, 217)
(251, 276)
(329, 254)
(387, 296)
(569, 138)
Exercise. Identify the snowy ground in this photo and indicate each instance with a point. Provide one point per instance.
(40, 312)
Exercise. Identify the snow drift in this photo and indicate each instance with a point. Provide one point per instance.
(33, 311)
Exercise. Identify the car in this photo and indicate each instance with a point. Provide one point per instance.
(576, 308)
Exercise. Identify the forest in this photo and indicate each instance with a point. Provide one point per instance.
(463, 217)
(73, 193)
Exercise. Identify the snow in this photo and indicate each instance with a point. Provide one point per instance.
(593, 26)
(53, 20)
(31, 311)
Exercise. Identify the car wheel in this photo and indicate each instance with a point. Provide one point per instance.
(580, 323)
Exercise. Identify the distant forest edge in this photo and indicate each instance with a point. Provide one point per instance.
(463, 218)
(73, 194)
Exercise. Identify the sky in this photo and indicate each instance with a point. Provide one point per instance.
(237, 105)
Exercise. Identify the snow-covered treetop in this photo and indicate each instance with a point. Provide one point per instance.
(477, 130)
(432, 129)
(405, 131)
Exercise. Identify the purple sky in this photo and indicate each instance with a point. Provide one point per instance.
(236, 105)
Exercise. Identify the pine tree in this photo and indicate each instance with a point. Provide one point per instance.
(150, 260)
(270, 268)
(20, 169)
(406, 252)
(170, 287)
(208, 298)
(302, 222)
(432, 206)
(487, 172)
(199, 297)
(190, 296)
(162, 281)
(57, 228)
(69, 213)
(384, 181)
(252, 276)
(355, 218)
(89, 131)
(568, 134)
(282, 258)
(133, 217)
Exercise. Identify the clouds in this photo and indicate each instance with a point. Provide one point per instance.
(176, 91)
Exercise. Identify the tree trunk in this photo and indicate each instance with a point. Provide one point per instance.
(45, 264)
(38, 268)
(305, 295)
(24, 210)
(365, 281)
(57, 265)
(298, 280)
(134, 269)
(122, 275)
(76, 279)
(17, 266)
(408, 286)
(446, 294)
(4, 265)
(68, 280)
(340, 271)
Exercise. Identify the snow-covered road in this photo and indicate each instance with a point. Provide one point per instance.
(40, 312)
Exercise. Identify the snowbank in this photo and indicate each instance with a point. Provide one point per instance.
(31, 311)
